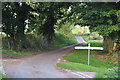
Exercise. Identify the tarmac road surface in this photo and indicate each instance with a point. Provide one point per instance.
(42, 66)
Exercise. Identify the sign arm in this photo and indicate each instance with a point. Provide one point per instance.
(95, 48)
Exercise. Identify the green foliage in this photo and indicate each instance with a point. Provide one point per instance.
(96, 43)
(111, 73)
(41, 18)
(1, 76)
(48, 15)
(75, 31)
(65, 30)
(95, 36)
(85, 38)
(103, 20)
(78, 61)
(12, 18)
(60, 40)
(31, 42)
(63, 36)
(87, 31)
(118, 15)
(105, 30)
(34, 43)
(44, 18)
(93, 43)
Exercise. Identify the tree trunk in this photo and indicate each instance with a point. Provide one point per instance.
(48, 27)
(117, 46)
(108, 45)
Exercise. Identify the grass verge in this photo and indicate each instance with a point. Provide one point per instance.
(11, 52)
(80, 56)
(78, 67)
(78, 61)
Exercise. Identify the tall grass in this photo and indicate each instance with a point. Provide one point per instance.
(31, 42)
(35, 43)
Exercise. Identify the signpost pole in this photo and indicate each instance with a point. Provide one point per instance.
(89, 54)
(96, 48)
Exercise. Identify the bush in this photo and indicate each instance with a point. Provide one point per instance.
(95, 36)
(31, 42)
(1, 76)
(65, 30)
(60, 40)
(37, 42)
(109, 73)
(112, 72)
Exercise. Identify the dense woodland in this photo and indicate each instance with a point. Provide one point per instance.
(20, 21)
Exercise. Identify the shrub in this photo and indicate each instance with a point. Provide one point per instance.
(1, 76)
(95, 36)
(112, 72)
(109, 73)
(65, 30)
(37, 42)
(60, 38)
(31, 42)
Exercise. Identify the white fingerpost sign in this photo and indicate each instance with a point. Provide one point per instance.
(96, 48)
(89, 54)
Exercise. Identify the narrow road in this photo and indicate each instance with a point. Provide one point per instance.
(41, 66)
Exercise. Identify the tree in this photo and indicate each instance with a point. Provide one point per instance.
(41, 17)
(14, 22)
(47, 16)
(13, 19)
(103, 18)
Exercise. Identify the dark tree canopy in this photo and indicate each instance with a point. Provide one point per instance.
(102, 18)
(43, 18)
(14, 16)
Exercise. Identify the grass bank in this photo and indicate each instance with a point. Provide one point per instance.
(11, 52)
